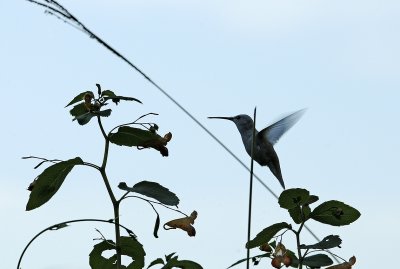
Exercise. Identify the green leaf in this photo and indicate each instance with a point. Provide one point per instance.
(173, 262)
(293, 197)
(79, 97)
(78, 110)
(129, 247)
(245, 259)
(133, 137)
(155, 262)
(108, 94)
(183, 264)
(295, 213)
(152, 190)
(330, 241)
(85, 118)
(169, 256)
(156, 226)
(312, 199)
(335, 213)
(266, 235)
(49, 182)
(300, 213)
(318, 260)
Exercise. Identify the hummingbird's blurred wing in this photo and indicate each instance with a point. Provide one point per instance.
(274, 132)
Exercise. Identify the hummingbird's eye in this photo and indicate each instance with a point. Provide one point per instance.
(237, 117)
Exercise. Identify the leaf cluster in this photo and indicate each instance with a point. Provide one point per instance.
(298, 204)
(48, 183)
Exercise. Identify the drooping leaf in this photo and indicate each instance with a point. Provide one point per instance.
(79, 97)
(110, 95)
(152, 190)
(183, 223)
(335, 213)
(317, 260)
(49, 182)
(293, 197)
(135, 137)
(129, 247)
(98, 89)
(330, 241)
(156, 226)
(251, 258)
(266, 235)
(155, 262)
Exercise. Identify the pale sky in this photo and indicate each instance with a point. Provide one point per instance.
(340, 59)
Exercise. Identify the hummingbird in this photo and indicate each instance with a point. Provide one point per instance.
(264, 152)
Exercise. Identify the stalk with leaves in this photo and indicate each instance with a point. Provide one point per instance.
(144, 135)
(272, 240)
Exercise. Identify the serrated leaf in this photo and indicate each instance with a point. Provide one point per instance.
(266, 235)
(317, 260)
(330, 241)
(155, 262)
(135, 137)
(129, 247)
(293, 197)
(335, 213)
(49, 182)
(245, 259)
(79, 97)
(153, 190)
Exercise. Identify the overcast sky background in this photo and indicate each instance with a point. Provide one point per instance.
(340, 59)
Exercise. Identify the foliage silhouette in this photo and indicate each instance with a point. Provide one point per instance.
(85, 107)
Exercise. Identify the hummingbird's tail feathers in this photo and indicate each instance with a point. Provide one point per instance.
(274, 132)
(276, 171)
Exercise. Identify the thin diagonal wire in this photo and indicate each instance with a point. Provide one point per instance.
(68, 16)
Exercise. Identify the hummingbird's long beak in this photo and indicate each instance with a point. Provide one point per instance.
(224, 118)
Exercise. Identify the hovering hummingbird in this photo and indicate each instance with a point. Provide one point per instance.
(264, 153)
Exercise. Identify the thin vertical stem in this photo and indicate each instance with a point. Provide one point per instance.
(251, 189)
(114, 201)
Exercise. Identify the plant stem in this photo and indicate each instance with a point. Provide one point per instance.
(298, 239)
(117, 234)
(251, 190)
(114, 201)
(59, 226)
